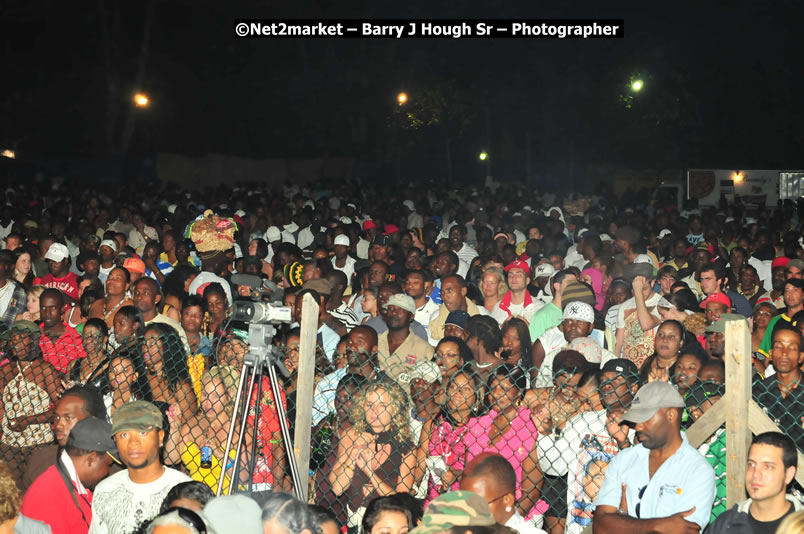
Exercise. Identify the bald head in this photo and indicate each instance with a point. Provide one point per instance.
(494, 468)
(492, 477)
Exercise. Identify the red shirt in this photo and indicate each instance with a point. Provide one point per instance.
(65, 349)
(67, 285)
(48, 500)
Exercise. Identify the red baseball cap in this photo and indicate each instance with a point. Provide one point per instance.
(390, 229)
(717, 297)
(518, 264)
(368, 225)
(781, 261)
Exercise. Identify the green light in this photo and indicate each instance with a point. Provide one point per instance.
(637, 85)
(483, 156)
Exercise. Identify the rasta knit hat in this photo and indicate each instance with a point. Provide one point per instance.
(293, 273)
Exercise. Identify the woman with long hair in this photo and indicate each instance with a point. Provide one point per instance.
(516, 347)
(23, 268)
(126, 378)
(375, 457)
(506, 428)
(166, 367)
(93, 368)
(441, 453)
(30, 386)
(128, 327)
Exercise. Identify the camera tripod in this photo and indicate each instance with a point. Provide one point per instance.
(262, 356)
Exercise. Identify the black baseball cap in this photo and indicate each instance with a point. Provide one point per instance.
(380, 240)
(620, 366)
(92, 434)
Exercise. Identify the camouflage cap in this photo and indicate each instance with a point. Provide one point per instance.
(137, 415)
(452, 509)
(21, 327)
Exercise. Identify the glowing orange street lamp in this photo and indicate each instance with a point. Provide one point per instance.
(141, 100)
(402, 98)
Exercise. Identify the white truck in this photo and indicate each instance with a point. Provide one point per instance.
(755, 187)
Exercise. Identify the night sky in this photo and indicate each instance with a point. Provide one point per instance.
(723, 85)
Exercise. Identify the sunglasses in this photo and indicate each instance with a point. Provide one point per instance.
(191, 517)
(641, 494)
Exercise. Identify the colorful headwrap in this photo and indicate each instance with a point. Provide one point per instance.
(212, 233)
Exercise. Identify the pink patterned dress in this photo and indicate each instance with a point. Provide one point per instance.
(447, 448)
(515, 445)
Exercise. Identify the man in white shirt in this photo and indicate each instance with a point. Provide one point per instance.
(517, 302)
(417, 286)
(414, 219)
(638, 316)
(342, 261)
(492, 477)
(128, 498)
(582, 450)
(457, 238)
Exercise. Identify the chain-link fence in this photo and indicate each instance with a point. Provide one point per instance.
(375, 430)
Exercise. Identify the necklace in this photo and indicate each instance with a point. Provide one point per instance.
(105, 314)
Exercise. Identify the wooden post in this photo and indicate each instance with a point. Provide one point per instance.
(703, 428)
(304, 389)
(759, 423)
(738, 396)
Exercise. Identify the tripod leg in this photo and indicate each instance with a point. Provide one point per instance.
(243, 424)
(288, 443)
(255, 433)
(230, 434)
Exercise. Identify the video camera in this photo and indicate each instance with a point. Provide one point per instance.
(256, 311)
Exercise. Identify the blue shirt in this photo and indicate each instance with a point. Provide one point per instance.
(684, 480)
(324, 395)
(739, 303)
(329, 340)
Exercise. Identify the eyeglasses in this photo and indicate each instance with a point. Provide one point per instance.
(641, 493)
(497, 499)
(191, 517)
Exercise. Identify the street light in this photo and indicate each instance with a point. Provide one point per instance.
(484, 156)
(637, 85)
(141, 100)
(402, 98)
(8, 153)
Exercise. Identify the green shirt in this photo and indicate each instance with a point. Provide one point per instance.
(767, 339)
(716, 456)
(546, 317)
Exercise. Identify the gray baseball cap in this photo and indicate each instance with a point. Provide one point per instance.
(651, 398)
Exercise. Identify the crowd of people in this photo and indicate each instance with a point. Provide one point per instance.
(506, 359)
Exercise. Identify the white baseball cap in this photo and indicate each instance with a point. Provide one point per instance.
(664, 233)
(342, 239)
(57, 252)
(544, 269)
(111, 243)
(273, 234)
(579, 311)
(409, 204)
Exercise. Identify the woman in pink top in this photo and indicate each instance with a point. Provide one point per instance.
(507, 429)
(443, 444)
